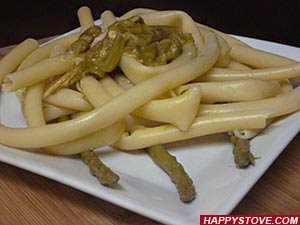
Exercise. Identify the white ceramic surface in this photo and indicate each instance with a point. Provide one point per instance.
(146, 189)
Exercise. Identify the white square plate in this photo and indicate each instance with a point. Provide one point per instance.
(144, 188)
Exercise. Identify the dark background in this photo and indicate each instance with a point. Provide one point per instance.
(277, 21)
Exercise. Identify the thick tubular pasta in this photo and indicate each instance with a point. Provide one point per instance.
(235, 91)
(202, 126)
(85, 17)
(107, 18)
(57, 50)
(229, 39)
(137, 72)
(117, 108)
(12, 60)
(94, 91)
(99, 138)
(278, 73)
(106, 136)
(65, 41)
(123, 81)
(179, 111)
(132, 124)
(36, 73)
(103, 137)
(33, 110)
(152, 110)
(45, 51)
(258, 58)
(52, 112)
(237, 66)
(33, 99)
(69, 98)
(111, 86)
(224, 58)
(285, 86)
(135, 12)
(126, 84)
(78, 114)
(280, 105)
(247, 134)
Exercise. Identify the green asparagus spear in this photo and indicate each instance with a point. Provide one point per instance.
(241, 152)
(104, 174)
(114, 55)
(175, 170)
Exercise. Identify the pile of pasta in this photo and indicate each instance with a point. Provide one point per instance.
(221, 85)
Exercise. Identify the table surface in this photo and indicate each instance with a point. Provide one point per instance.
(27, 198)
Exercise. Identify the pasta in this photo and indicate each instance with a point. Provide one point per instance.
(280, 105)
(202, 126)
(235, 91)
(70, 99)
(141, 80)
(33, 110)
(224, 58)
(52, 112)
(94, 91)
(107, 18)
(237, 66)
(10, 62)
(278, 73)
(179, 111)
(257, 58)
(36, 73)
(111, 86)
(85, 17)
(44, 52)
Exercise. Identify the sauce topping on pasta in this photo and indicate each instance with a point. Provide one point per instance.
(100, 51)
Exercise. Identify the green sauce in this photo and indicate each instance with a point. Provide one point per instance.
(150, 45)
